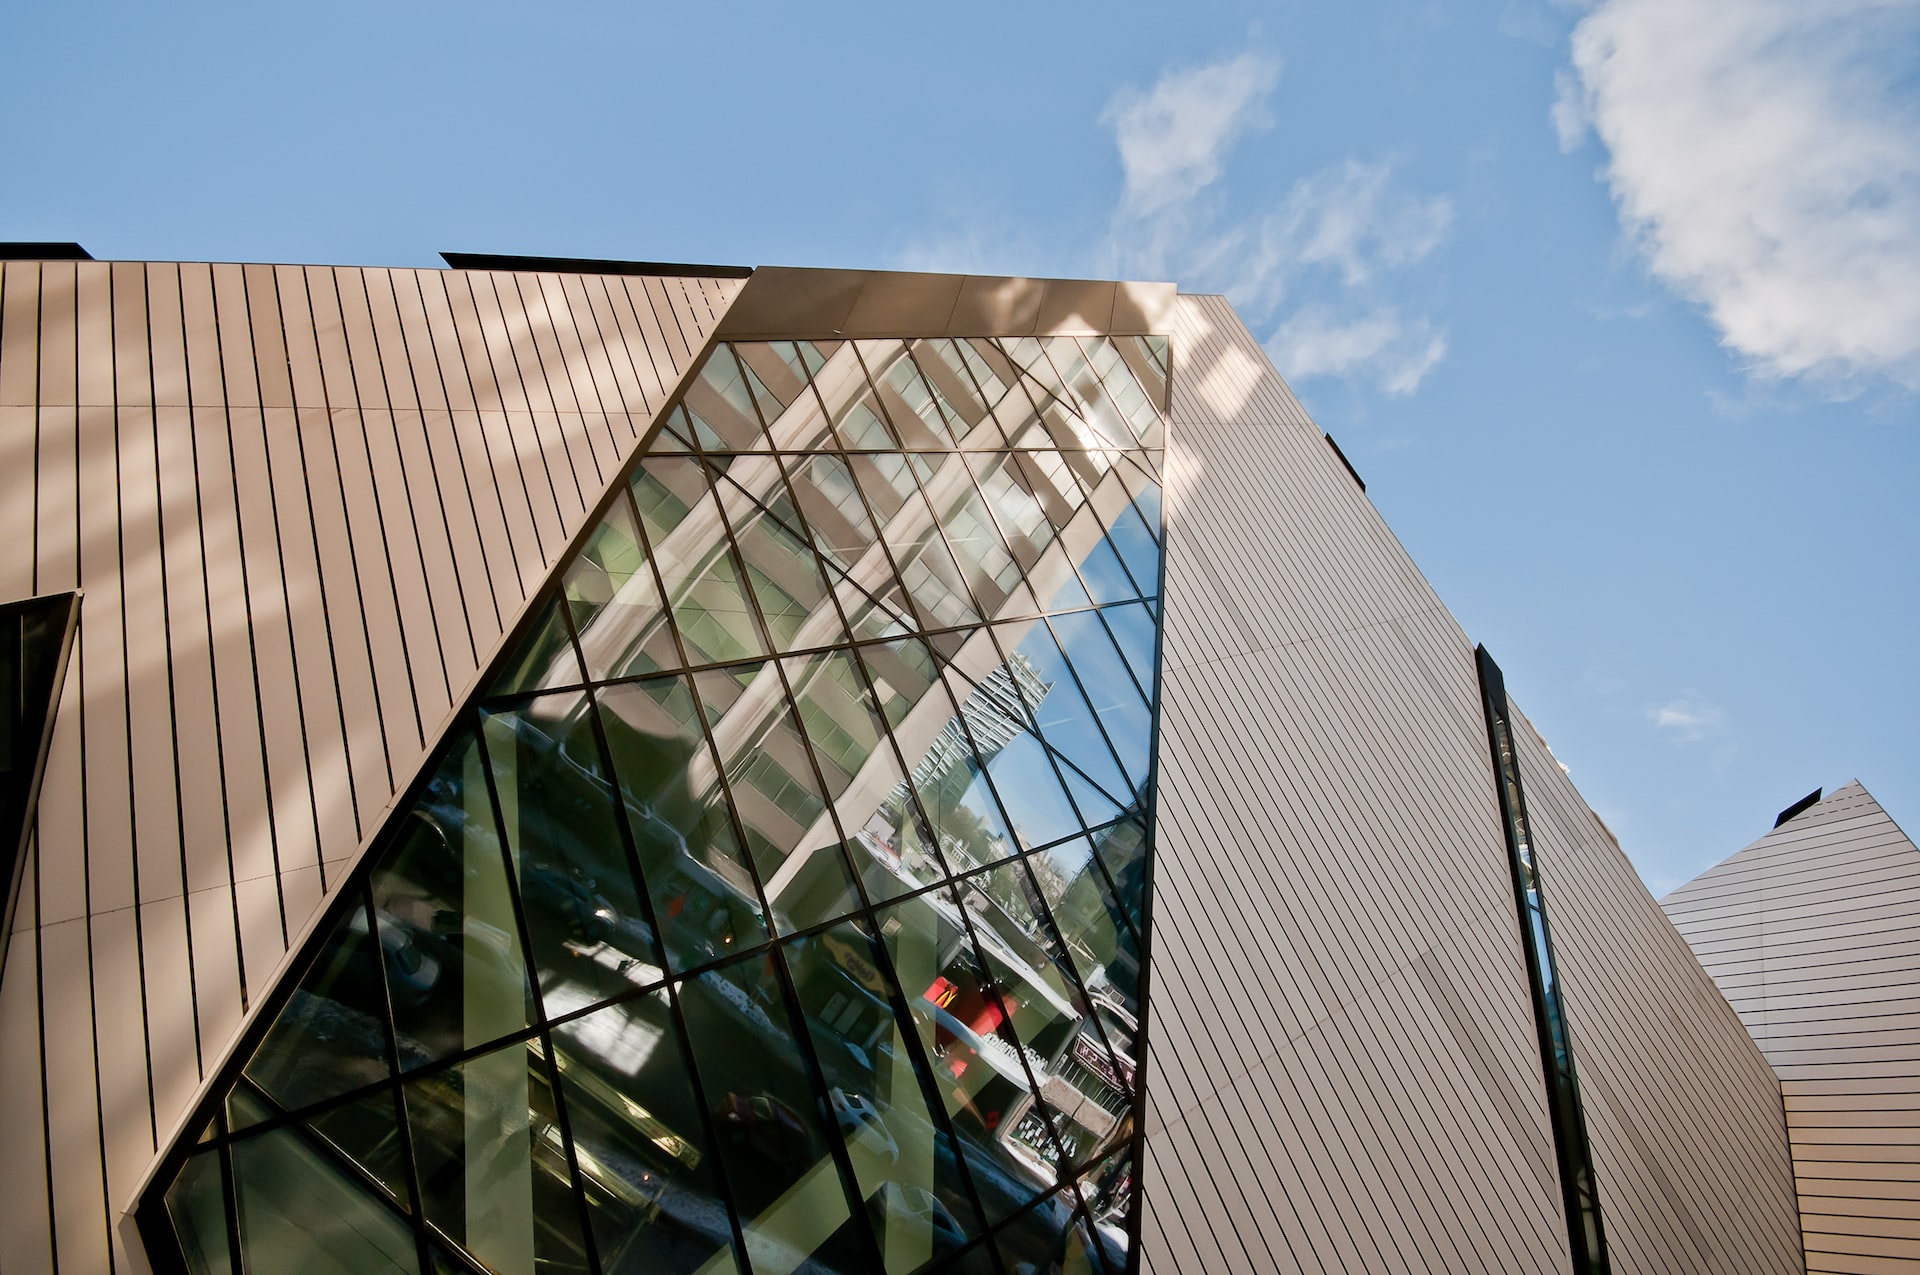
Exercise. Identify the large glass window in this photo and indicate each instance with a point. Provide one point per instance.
(778, 905)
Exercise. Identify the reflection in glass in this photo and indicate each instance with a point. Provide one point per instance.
(456, 977)
(773, 1132)
(196, 1204)
(331, 1035)
(570, 864)
(653, 1197)
(493, 1162)
(695, 871)
(303, 1214)
(778, 908)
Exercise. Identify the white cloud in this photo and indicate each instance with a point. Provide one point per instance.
(1174, 138)
(1572, 113)
(1394, 353)
(1689, 718)
(1765, 156)
(1336, 233)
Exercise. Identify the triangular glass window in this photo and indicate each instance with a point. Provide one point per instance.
(35, 637)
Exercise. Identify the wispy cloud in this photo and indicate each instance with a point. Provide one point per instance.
(1396, 353)
(1689, 718)
(1336, 235)
(1765, 157)
(1174, 137)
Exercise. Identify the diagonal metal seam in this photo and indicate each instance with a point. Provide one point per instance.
(145, 1202)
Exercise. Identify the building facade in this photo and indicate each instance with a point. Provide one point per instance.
(1809, 931)
(600, 767)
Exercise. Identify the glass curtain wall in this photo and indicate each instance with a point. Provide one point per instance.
(779, 905)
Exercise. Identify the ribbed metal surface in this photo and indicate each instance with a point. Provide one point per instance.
(1810, 932)
(304, 503)
(1344, 1074)
(1682, 1111)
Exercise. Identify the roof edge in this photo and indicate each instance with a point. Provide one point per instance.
(796, 301)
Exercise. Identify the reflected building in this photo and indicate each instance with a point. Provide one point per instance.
(597, 767)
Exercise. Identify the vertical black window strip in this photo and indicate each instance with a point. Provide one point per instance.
(1585, 1234)
(36, 637)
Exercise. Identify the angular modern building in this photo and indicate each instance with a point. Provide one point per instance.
(592, 766)
(1810, 932)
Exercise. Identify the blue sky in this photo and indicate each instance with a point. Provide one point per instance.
(1615, 306)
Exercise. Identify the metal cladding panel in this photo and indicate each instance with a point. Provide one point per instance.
(1809, 931)
(1343, 1068)
(1683, 1113)
(305, 504)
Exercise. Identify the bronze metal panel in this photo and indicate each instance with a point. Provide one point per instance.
(990, 306)
(120, 1037)
(436, 314)
(217, 994)
(495, 578)
(149, 707)
(93, 321)
(205, 385)
(225, 472)
(263, 933)
(393, 704)
(18, 445)
(167, 340)
(1072, 306)
(782, 302)
(272, 365)
(362, 351)
(903, 304)
(236, 335)
(287, 818)
(470, 333)
(396, 368)
(1142, 308)
(323, 807)
(654, 353)
(442, 585)
(516, 489)
(330, 337)
(58, 382)
(183, 436)
(401, 558)
(19, 332)
(355, 700)
(547, 298)
(613, 361)
(132, 372)
(167, 973)
(80, 1207)
(26, 1236)
(490, 292)
(447, 482)
(99, 661)
(416, 334)
(309, 386)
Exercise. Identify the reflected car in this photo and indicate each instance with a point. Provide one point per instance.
(766, 1125)
(897, 1199)
(855, 1113)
